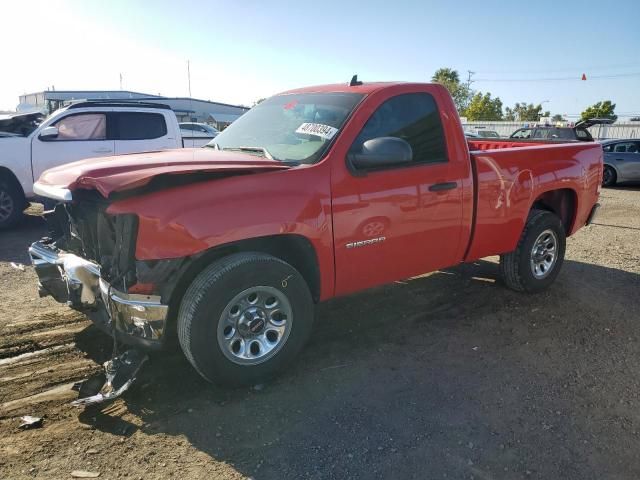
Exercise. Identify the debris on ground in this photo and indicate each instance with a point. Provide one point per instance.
(17, 266)
(29, 421)
(119, 373)
(84, 474)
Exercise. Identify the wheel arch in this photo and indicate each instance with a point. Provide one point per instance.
(7, 174)
(615, 169)
(563, 202)
(294, 249)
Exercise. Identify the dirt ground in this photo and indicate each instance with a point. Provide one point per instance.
(449, 375)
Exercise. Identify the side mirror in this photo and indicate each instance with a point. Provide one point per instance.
(48, 133)
(382, 152)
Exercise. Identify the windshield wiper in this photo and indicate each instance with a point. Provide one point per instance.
(261, 150)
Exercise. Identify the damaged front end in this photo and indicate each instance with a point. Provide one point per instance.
(88, 262)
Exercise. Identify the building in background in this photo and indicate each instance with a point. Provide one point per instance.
(186, 109)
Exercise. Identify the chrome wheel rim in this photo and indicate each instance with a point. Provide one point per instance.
(255, 325)
(6, 205)
(544, 254)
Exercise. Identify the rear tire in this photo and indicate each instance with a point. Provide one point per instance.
(609, 176)
(244, 318)
(12, 203)
(536, 261)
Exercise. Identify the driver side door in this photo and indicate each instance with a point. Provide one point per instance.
(399, 221)
(80, 135)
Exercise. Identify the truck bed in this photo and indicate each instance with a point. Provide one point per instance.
(510, 176)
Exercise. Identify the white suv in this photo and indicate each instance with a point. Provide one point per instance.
(82, 130)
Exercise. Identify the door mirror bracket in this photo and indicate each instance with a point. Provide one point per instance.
(49, 133)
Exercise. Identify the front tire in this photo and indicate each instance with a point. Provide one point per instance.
(12, 204)
(536, 261)
(244, 318)
(609, 176)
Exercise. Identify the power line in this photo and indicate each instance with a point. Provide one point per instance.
(580, 68)
(558, 79)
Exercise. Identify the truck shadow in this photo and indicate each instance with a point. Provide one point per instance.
(434, 374)
(15, 242)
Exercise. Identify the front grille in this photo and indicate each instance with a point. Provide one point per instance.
(83, 227)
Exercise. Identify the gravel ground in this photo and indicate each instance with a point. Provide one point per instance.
(449, 375)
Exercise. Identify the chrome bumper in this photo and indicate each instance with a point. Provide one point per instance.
(138, 319)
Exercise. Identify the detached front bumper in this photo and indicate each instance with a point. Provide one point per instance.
(138, 320)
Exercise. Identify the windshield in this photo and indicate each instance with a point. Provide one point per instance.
(19, 125)
(209, 128)
(289, 128)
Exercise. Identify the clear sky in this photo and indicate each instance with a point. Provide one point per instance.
(244, 50)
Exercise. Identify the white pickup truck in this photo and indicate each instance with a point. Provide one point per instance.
(81, 130)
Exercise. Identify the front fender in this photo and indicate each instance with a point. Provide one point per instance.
(188, 220)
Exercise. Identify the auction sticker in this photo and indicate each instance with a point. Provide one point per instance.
(318, 129)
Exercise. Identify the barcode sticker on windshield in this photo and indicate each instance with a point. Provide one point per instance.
(318, 129)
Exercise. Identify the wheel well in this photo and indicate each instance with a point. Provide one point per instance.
(8, 175)
(296, 250)
(562, 202)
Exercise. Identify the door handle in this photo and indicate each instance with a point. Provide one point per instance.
(619, 160)
(102, 150)
(440, 187)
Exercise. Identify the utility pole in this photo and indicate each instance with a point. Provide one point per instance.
(469, 75)
(189, 77)
(121, 81)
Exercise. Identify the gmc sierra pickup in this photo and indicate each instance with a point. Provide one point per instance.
(314, 193)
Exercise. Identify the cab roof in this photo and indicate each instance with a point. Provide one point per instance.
(364, 88)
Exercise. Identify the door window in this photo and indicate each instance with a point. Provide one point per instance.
(84, 126)
(541, 133)
(138, 126)
(414, 117)
(564, 133)
(627, 147)
(522, 133)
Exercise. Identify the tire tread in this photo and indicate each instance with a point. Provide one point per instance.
(205, 280)
(509, 262)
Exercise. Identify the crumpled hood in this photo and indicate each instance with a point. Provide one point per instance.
(125, 172)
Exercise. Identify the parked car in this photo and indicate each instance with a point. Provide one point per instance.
(578, 132)
(81, 130)
(197, 134)
(312, 194)
(621, 161)
(481, 133)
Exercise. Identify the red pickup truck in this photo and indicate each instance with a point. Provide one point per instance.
(314, 193)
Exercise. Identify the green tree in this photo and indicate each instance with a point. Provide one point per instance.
(460, 92)
(558, 118)
(483, 107)
(602, 109)
(523, 112)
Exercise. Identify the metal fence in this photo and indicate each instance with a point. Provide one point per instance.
(617, 130)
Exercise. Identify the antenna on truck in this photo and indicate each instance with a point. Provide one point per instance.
(354, 81)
